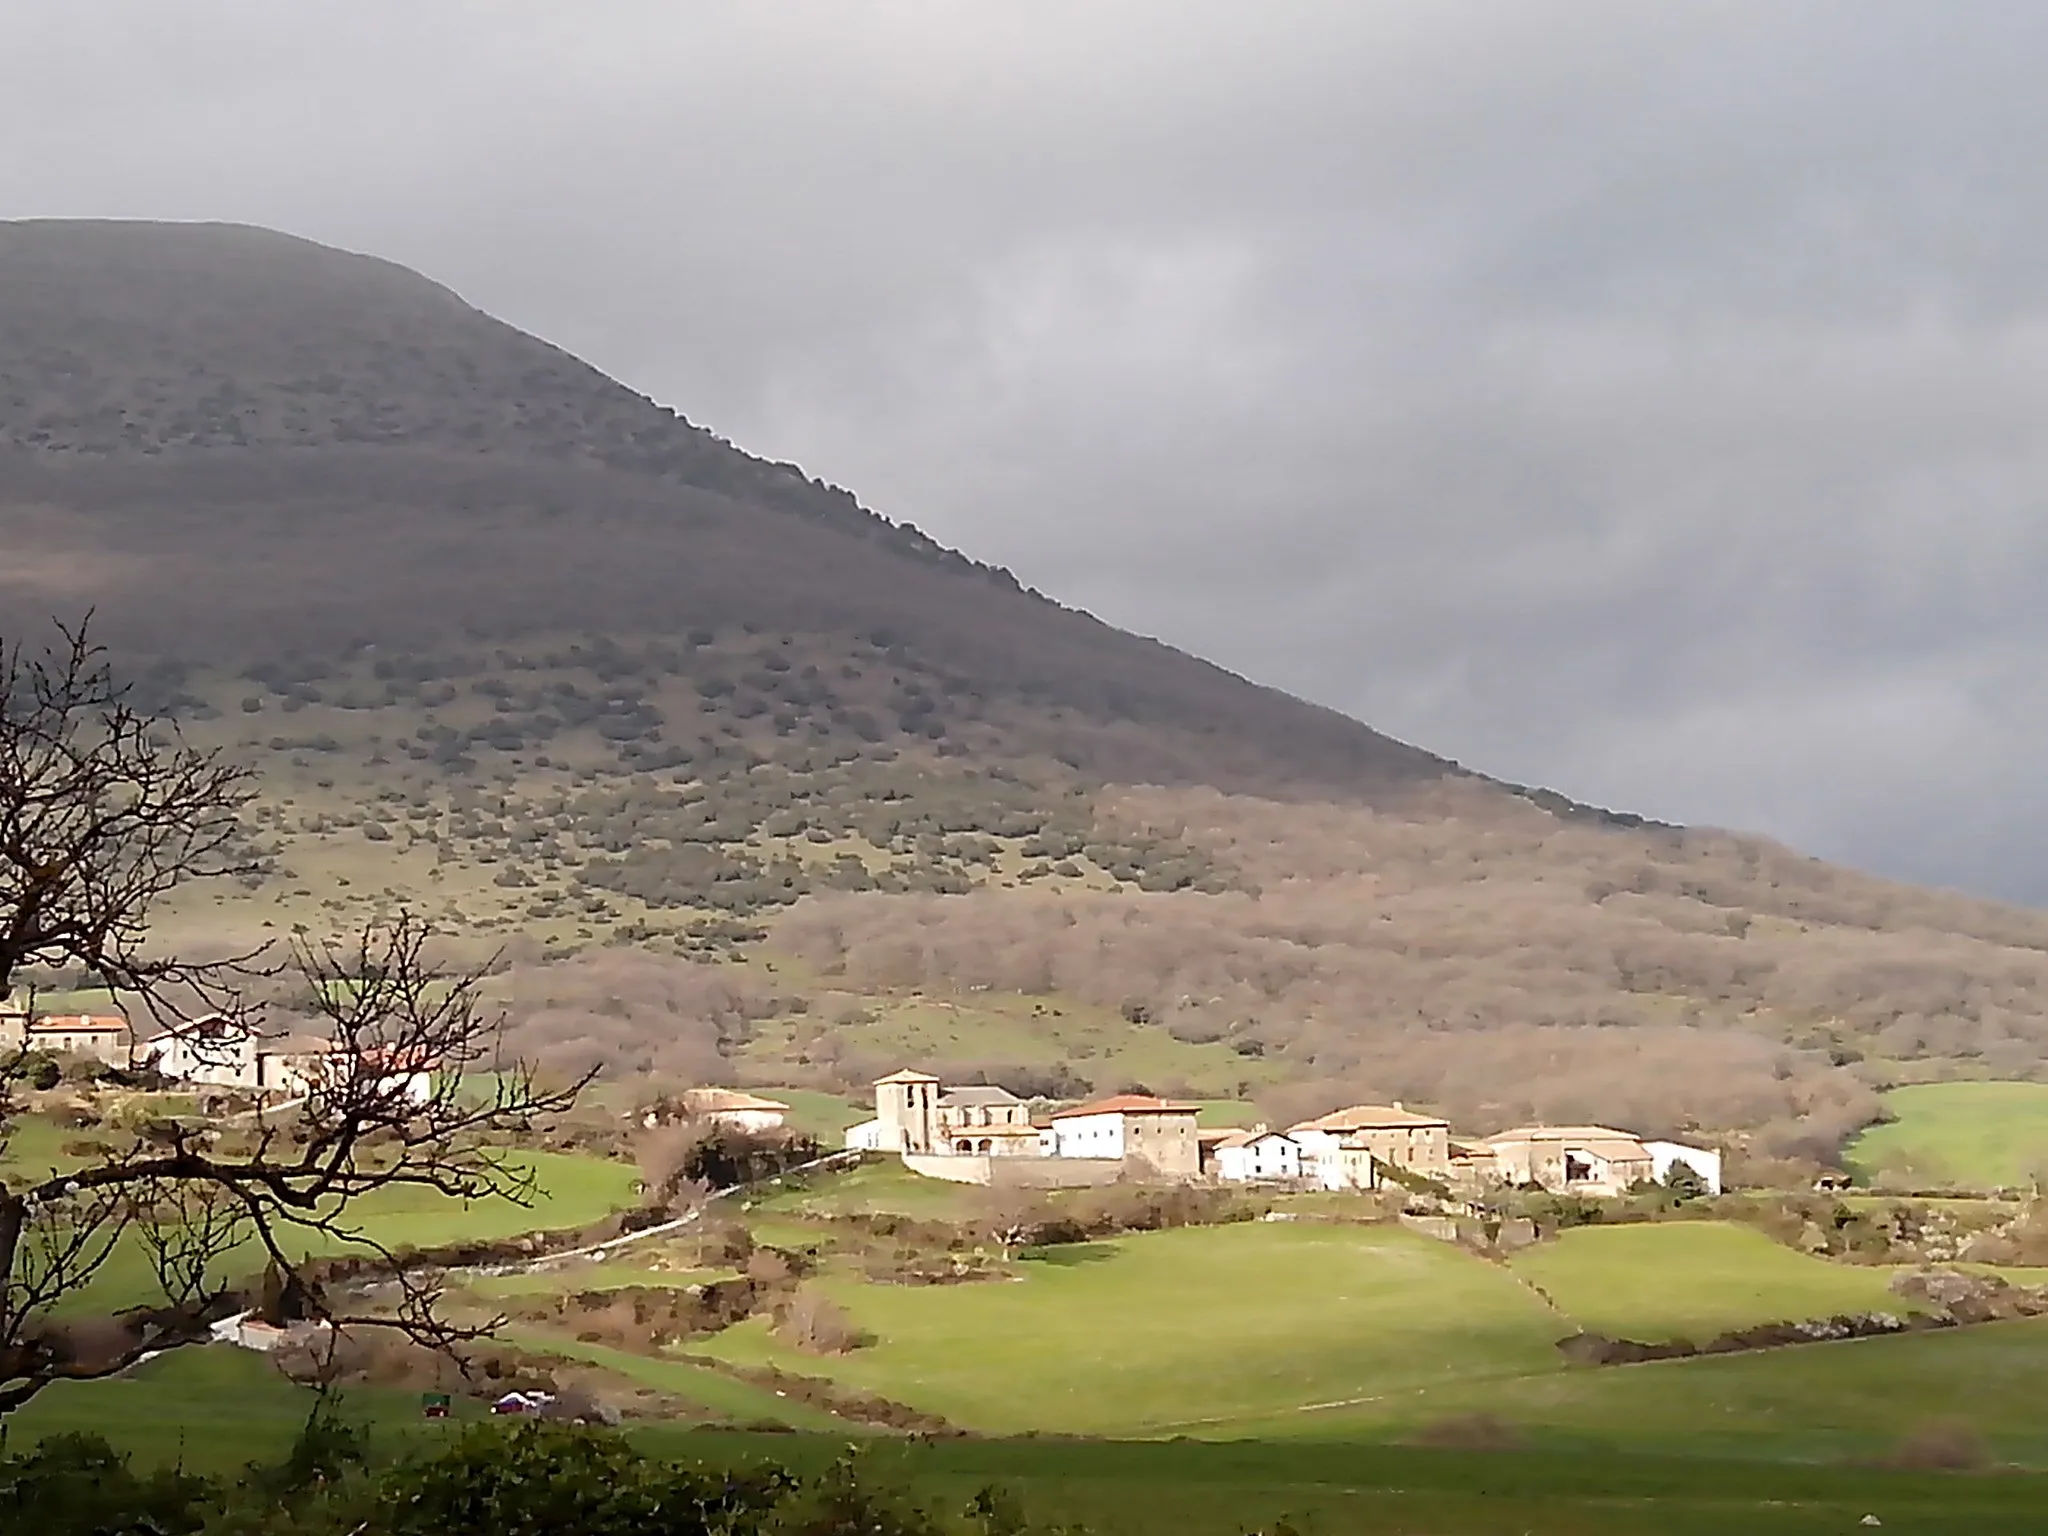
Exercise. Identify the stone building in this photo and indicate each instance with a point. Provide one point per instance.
(907, 1112)
(1571, 1159)
(1133, 1127)
(102, 1037)
(1342, 1149)
(983, 1118)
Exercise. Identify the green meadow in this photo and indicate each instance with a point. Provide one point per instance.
(570, 1192)
(1975, 1136)
(1222, 1379)
(1692, 1280)
(880, 1186)
(1187, 1329)
(826, 1116)
(215, 1409)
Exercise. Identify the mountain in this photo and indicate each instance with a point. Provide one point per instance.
(511, 641)
(321, 447)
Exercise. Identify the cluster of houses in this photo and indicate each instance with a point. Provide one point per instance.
(213, 1050)
(972, 1132)
(919, 1118)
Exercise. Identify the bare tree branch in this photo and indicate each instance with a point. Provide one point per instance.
(103, 812)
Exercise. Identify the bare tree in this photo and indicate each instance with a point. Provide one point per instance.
(102, 812)
(1009, 1217)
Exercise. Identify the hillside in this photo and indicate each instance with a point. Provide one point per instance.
(514, 643)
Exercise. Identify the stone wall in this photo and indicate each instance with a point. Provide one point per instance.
(955, 1168)
(1058, 1172)
(1024, 1172)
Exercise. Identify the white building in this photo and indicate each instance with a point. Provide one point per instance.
(228, 1053)
(727, 1107)
(1703, 1161)
(104, 1038)
(1346, 1148)
(1258, 1156)
(1132, 1126)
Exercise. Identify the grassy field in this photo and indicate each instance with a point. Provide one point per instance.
(737, 1401)
(823, 1115)
(885, 1186)
(1276, 1370)
(211, 1409)
(573, 1192)
(1692, 1280)
(35, 1149)
(1960, 1135)
(1850, 1401)
(1192, 1328)
(1134, 1489)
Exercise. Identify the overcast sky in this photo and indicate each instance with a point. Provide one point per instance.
(1647, 400)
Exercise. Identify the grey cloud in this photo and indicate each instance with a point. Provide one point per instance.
(1635, 399)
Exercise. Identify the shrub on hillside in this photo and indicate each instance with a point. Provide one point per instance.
(818, 1325)
(1939, 1447)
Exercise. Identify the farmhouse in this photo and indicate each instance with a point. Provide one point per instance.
(1571, 1159)
(229, 1053)
(1473, 1162)
(406, 1074)
(1134, 1127)
(104, 1038)
(1257, 1156)
(725, 1107)
(1664, 1155)
(1341, 1150)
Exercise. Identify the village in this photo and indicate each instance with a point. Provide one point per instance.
(211, 1051)
(983, 1134)
(976, 1133)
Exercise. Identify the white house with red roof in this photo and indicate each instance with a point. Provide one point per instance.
(104, 1037)
(728, 1107)
(1345, 1148)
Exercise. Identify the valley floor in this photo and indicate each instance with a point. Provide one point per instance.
(215, 1409)
(1343, 1375)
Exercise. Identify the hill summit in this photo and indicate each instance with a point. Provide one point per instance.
(258, 408)
(515, 644)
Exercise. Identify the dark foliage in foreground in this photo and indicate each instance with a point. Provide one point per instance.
(532, 1479)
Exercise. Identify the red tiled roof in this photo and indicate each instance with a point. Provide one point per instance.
(1127, 1104)
(1364, 1117)
(78, 1023)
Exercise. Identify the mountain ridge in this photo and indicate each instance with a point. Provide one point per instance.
(109, 357)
